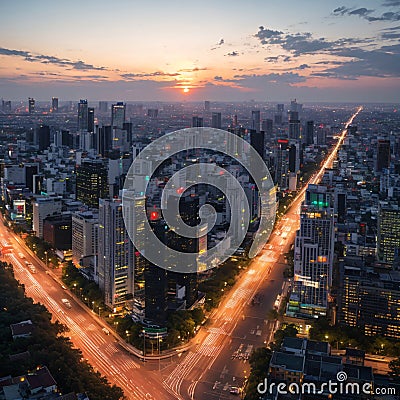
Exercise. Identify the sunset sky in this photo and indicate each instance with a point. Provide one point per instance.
(185, 50)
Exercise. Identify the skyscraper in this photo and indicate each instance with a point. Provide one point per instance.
(256, 120)
(383, 155)
(257, 140)
(267, 126)
(313, 252)
(197, 122)
(104, 140)
(31, 105)
(54, 104)
(282, 164)
(43, 137)
(115, 261)
(207, 106)
(90, 126)
(216, 120)
(91, 182)
(118, 115)
(388, 232)
(294, 125)
(309, 136)
(103, 106)
(83, 115)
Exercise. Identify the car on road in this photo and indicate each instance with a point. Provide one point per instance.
(106, 331)
(66, 303)
(234, 390)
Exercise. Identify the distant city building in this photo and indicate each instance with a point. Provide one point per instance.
(383, 155)
(388, 232)
(282, 164)
(118, 115)
(91, 182)
(197, 122)
(257, 141)
(103, 106)
(256, 120)
(115, 272)
(90, 127)
(216, 121)
(207, 106)
(31, 105)
(6, 106)
(267, 126)
(152, 112)
(54, 104)
(104, 140)
(309, 135)
(43, 137)
(294, 125)
(83, 115)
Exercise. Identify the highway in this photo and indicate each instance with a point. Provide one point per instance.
(217, 361)
(212, 368)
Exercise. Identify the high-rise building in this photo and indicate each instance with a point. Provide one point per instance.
(388, 232)
(43, 137)
(90, 126)
(91, 182)
(83, 115)
(104, 140)
(31, 105)
(6, 106)
(383, 155)
(118, 115)
(369, 300)
(216, 121)
(115, 255)
(84, 235)
(294, 125)
(207, 106)
(313, 252)
(268, 127)
(54, 104)
(103, 106)
(282, 164)
(256, 120)
(43, 208)
(309, 136)
(321, 135)
(257, 141)
(30, 171)
(197, 122)
(152, 112)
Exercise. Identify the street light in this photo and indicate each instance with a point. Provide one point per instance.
(46, 257)
(92, 305)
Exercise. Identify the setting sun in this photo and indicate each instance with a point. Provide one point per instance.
(185, 90)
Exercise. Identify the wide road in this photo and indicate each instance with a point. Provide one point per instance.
(218, 362)
(85, 329)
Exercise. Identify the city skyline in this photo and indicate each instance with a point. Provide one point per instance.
(336, 51)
